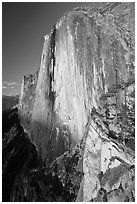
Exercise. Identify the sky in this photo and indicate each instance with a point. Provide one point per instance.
(24, 26)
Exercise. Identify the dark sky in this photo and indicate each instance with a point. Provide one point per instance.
(23, 28)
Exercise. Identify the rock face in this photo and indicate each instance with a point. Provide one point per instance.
(87, 53)
(26, 178)
(83, 94)
(105, 164)
(27, 98)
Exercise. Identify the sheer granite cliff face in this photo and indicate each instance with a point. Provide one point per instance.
(85, 92)
(88, 52)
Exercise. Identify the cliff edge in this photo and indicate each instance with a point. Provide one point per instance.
(83, 93)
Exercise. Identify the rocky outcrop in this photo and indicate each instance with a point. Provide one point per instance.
(97, 169)
(83, 95)
(26, 178)
(107, 166)
(27, 98)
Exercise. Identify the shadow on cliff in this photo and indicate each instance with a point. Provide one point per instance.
(51, 141)
(27, 178)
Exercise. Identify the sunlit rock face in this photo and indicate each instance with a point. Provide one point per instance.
(89, 52)
(108, 167)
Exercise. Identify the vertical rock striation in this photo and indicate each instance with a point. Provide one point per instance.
(87, 53)
(85, 92)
